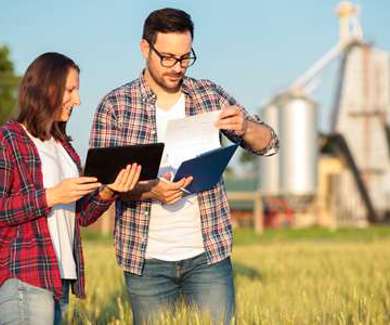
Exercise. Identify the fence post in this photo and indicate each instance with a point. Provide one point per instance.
(258, 214)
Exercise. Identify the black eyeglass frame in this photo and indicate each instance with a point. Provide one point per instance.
(170, 57)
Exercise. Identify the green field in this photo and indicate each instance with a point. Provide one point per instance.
(282, 277)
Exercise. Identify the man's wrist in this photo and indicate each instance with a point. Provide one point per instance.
(246, 127)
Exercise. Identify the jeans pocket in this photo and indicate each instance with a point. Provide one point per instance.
(10, 312)
(9, 289)
(35, 290)
(224, 266)
(21, 302)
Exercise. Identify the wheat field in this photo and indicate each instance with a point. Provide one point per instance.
(284, 281)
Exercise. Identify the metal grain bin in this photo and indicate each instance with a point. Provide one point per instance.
(298, 146)
(269, 182)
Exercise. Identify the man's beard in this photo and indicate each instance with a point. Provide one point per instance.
(159, 80)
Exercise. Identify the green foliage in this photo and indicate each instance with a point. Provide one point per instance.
(247, 158)
(8, 85)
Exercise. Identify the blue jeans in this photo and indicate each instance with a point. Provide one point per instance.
(23, 303)
(209, 288)
(61, 305)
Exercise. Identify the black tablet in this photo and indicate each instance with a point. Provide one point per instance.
(105, 163)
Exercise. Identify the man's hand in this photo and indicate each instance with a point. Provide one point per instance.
(255, 135)
(164, 191)
(169, 192)
(232, 118)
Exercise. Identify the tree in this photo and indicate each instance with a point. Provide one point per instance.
(250, 161)
(9, 82)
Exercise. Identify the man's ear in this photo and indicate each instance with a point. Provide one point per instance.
(145, 48)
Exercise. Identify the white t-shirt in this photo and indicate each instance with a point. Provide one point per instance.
(175, 229)
(56, 166)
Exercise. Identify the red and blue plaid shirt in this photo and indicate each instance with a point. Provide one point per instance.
(26, 248)
(126, 116)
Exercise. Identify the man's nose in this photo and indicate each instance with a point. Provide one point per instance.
(177, 67)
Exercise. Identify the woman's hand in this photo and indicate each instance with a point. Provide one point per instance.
(70, 190)
(125, 181)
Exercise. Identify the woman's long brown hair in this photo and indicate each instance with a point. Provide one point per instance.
(41, 94)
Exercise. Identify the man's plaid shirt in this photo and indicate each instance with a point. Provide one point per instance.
(26, 248)
(127, 116)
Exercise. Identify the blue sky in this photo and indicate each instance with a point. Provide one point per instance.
(252, 48)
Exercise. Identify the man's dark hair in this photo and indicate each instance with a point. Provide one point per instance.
(167, 20)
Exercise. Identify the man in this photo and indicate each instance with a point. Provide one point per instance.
(171, 246)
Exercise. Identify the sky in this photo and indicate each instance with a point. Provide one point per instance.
(251, 48)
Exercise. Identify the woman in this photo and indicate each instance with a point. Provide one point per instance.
(43, 201)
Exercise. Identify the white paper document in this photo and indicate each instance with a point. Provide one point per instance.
(191, 136)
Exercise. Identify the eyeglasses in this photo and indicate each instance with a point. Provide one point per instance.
(168, 61)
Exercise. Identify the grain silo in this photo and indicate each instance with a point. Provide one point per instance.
(360, 135)
(292, 174)
(269, 166)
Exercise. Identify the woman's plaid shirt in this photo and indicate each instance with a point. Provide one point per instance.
(127, 116)
(26, 249)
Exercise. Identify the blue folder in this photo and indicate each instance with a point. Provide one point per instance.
(206, 169)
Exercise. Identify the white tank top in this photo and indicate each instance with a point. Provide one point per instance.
(174, 230)
(56, 166)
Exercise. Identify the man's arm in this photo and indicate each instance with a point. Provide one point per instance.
(248, 130)
(105, 131)
(256, 135)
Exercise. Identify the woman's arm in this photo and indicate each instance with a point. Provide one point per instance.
(91, 207)
(18, 205)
